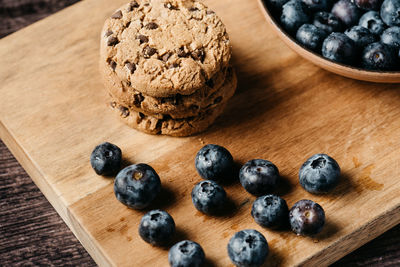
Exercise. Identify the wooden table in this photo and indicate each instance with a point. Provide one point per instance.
(30, 229)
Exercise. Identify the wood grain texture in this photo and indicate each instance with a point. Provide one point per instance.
(271, 116)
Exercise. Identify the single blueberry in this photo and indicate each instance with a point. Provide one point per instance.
(214, 162)
(319, 174)
(311, 37)
(208, 197)
(106, 159)
(306, 217)
(379, 56)
(327, 22)
(137, 185)
(259, 176)
(186, 254)
(368, 4)
(270, 211)
(318, 5)
(157, 227)
(390, 12)
(391, 37)
(361, 36)
(373, 22)
(248, 248)
(294, 14)
(347, 12)
(340, 48)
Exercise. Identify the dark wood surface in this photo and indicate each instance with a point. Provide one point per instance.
(32, 233)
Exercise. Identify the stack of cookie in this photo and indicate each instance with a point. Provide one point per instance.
(165, 64)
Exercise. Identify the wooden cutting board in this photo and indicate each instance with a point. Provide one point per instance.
(53, 113)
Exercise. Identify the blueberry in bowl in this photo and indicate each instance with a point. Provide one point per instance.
(373, 22)
(340, 53)
(379, 56)
(327, 22)
(319, 174)
(339, 48)
(361, 36)
(310, 36)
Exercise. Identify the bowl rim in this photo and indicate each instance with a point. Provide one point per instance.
(290, 41)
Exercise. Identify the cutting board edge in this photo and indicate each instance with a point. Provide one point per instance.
(51, 195)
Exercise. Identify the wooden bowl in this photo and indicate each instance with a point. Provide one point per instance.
(338, 68)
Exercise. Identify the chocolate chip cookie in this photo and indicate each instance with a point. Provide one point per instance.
(165, 124)
(162, 48)
(178, 106)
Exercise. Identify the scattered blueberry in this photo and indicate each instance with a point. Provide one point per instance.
(311, 37)
(373, 22)
(259, 176)
(208, 197)
(214, 162)
(306, 217)
(270, 211)
(248, 248)
(318, 5)
(391, 37)
(327, 22)
(186, 254)
(347, 12)
(378, 56)
(319, 174)
(360, 35)
(137, 185)
(157, 227)
(294, 14)
(340, 48)
(390, 12)
(368, 4)
(106, 159)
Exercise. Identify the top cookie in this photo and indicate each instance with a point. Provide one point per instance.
(165, 47)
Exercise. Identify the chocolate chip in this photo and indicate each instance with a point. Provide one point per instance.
(149, 51)
(141, 115)
(151, 26)
(127, 24)
(133, 5)
(199, 54)
(117, 15)
(170, 6)
(165, 57)
(192, 9)
(108, 33)
(210, 83)
(209, 12)
(181, 52)
(217, 100)
(112, 63)
(113, 104)
(124, 111)
(142, 38)
(131, 67)
(138, 98)
(112, 40)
